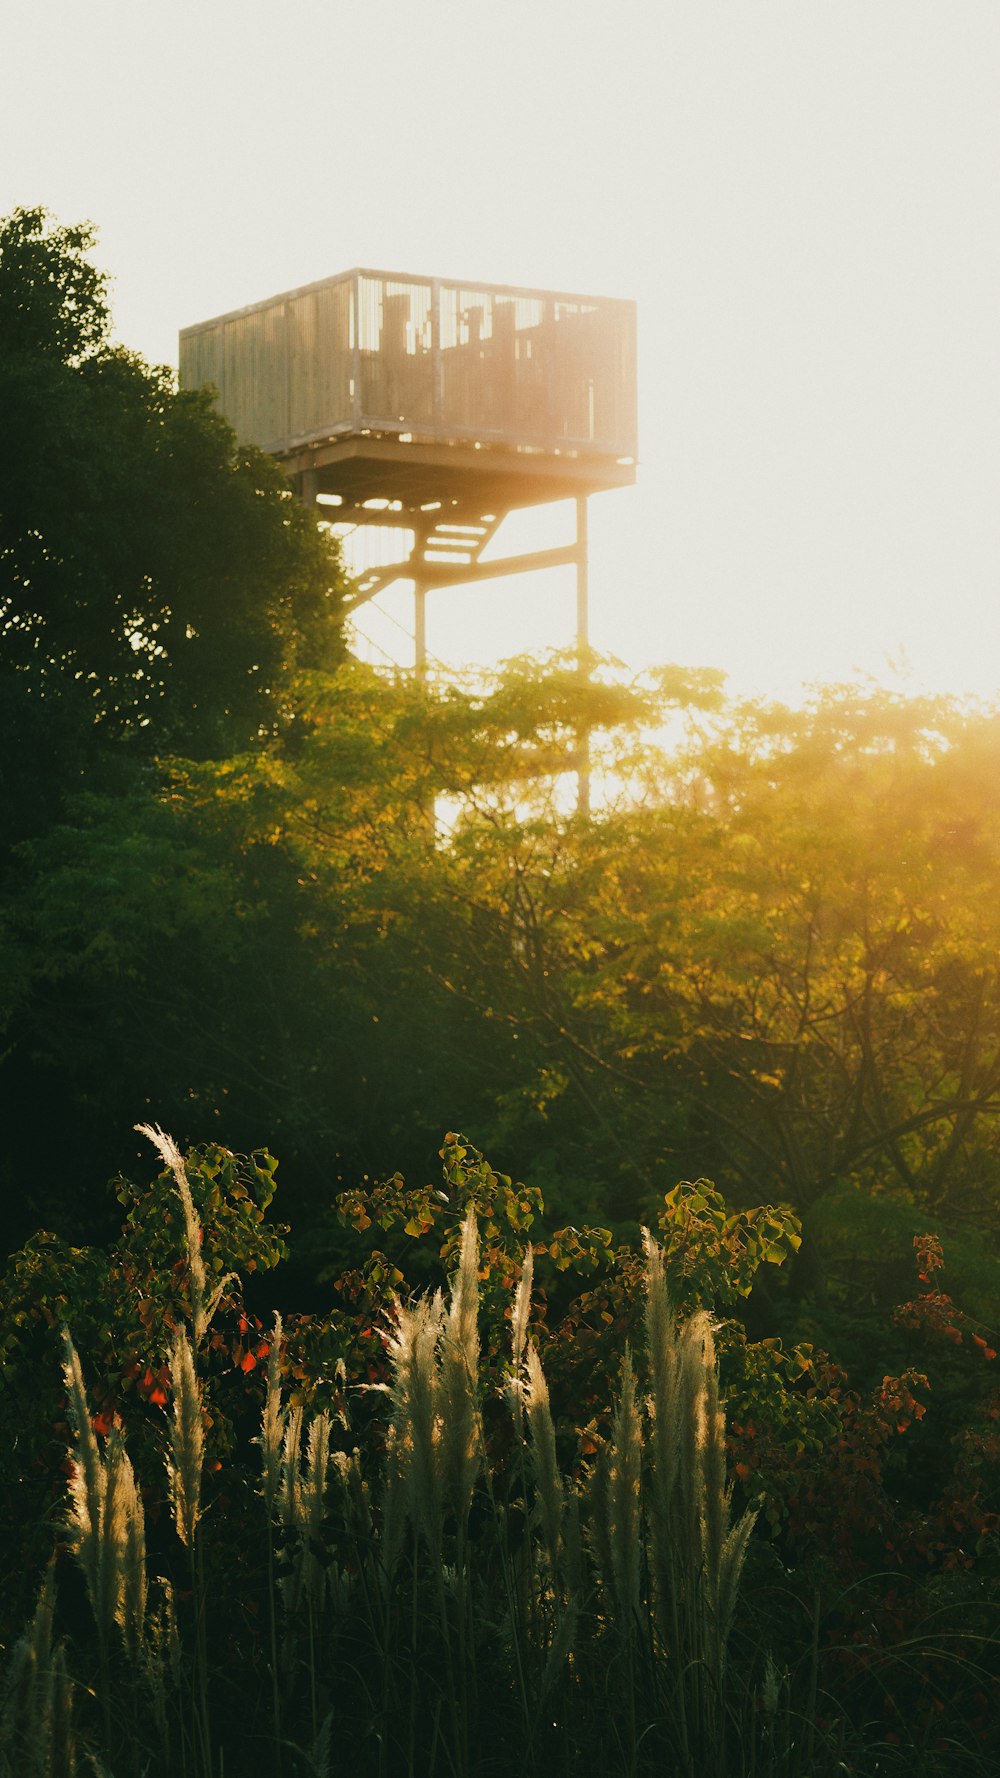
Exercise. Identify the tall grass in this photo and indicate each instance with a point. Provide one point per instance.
(432, 1614)
(437, 1602)
(696, 1553)
(37, 1732)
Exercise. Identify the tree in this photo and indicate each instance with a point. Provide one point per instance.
(781, 970)
(775, 965)
(158, 581)
(277, 939)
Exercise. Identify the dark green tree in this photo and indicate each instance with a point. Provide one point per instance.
(158, 581)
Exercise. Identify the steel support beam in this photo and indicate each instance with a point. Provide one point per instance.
(420, 630)
(434, 574)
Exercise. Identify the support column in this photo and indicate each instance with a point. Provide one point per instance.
(422, 583)
(582, 652)
(425, 803)
(420, 631)
(308, 486)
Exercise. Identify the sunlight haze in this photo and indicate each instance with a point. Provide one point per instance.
(801, 197)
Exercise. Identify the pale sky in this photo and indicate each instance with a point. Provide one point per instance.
(801, 195)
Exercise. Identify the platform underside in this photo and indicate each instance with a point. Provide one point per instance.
(365, 472)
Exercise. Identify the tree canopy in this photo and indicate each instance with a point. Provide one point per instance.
(771, 960)
(158, 581)
(770, 957)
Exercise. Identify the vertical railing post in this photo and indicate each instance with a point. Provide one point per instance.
(582, 652)
(286, 365)
(437, 369)
(356, 354)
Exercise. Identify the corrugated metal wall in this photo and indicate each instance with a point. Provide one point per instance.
(380, 353)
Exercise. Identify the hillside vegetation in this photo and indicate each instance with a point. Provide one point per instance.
(281, 904)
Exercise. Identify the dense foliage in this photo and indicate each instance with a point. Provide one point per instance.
(868, 1625)
(771, 958)
(157, 581)
(259, 891)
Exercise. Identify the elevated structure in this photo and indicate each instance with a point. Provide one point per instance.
(433, 407)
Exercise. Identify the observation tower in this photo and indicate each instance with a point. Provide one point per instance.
(432, 407)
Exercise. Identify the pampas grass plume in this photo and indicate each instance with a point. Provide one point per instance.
(88, 1480)
(187, 1440)
(460, 1375)
(415, 1393)
(313, 1503)
(623, 1498)
(273, 1423)
(203, 1306)
(289, 1487)
(543, 1450)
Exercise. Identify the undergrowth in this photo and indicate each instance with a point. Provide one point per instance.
(419, 1566)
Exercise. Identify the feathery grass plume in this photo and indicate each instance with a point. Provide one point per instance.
(303, 1510)
(695, 1346)
(87, 1485)
(187, 1439)
(522, 1307)
(697, 1556)
(185, 1461)
(274, 1433)
(722, 1550)
(460, 1444)
(519, 1330)
(662, 1349)
(203, 1306)
(354, 1493)
(36, 1702)
(114, 1533)
(134, 1585)
(171, 1157)
(290, 1507)
(415, 1393)
(106, 1527)
(548, 1481)
(734, 1550)
(290, 1486)
(624, 1499)
(273, 1421)
(717, 1497)
(62, 1739)
(312, 1506)
(666, 1496)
